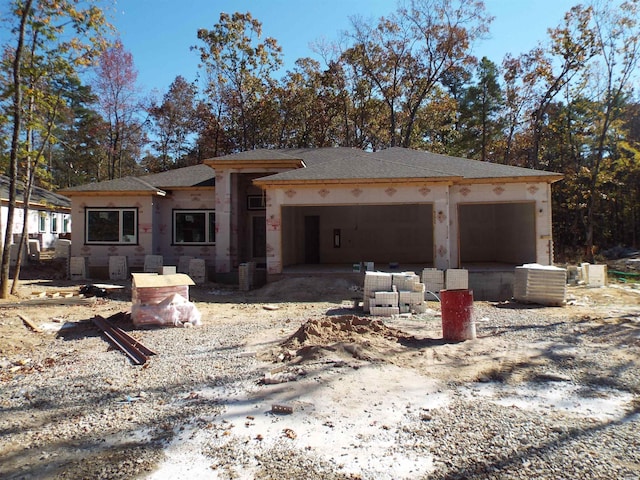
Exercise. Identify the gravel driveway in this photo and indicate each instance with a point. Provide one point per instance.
(542, 393)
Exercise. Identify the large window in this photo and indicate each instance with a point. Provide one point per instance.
(194, 226)
(112, 225)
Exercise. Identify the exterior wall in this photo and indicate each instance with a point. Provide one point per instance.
(538, 193)
(227, 198)
(163, 239)
(98, 255)
(374, 194)
(47, 237)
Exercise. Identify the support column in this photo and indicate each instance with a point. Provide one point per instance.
(274, 234)
(442, 233)
(223, 221)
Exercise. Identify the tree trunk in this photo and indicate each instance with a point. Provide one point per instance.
(13, 156)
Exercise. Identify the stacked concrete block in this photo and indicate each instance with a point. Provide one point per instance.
(433, 280)
(385, 304)
(375, 282)
(456, 279)
(543, 284)
(390, 294)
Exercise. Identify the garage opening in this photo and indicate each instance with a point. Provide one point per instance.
(501, 233)
(349, 234)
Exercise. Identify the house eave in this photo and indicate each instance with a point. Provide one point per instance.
(128, 193)
(266, 182)
(250, 164)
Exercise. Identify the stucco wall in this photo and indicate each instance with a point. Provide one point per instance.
(163, 241)
(98, 255)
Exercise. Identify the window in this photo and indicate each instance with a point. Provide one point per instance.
(194, 226)
(54, 223)
(255, 202)
(66, 224)
(112, 225)
(42, 222)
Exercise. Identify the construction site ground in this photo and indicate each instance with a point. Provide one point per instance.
(292, 381)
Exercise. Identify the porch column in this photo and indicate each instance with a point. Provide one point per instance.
(274, 233)
(223, 221)
(442, 233)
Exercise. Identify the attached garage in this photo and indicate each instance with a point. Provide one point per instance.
(497, 233)
(344, 234)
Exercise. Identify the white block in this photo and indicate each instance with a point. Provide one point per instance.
(597, 275)
(78, 268)
(433, 279)
(197, 270)
(183, 264)
(456, 279)
(386, 298)
(385, 311)
(377, 281)
(411, 298)
(62, 248)
(118, 268)
(152, 263)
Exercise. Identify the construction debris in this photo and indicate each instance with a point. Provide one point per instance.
(30, 324)
(286, 409)
(136, 351)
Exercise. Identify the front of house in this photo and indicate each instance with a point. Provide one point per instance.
(293, 208)
(48, 216)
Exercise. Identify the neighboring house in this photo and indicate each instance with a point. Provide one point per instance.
(290, 209)
(49, 214)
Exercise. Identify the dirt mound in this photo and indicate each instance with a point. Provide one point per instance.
(347, 336)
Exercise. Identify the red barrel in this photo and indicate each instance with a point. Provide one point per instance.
(457, 313)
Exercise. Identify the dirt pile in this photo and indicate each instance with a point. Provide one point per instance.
(347, 337)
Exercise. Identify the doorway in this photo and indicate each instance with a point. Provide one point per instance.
(312, 239)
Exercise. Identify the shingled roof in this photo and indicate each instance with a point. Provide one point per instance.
(39, 196)
(156, 183)
(124, 184)
(342, 164)
(194, 176)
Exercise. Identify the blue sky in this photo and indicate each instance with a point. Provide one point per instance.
(159, 33)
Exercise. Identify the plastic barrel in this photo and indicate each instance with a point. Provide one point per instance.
(457, 313)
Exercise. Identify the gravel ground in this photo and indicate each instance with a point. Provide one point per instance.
(73, 408)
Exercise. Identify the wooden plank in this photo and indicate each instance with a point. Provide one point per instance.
(30, 324)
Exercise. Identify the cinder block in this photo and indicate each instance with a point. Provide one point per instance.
(197, 270)
(152, 263)
(118, 268)
(377, 281)
(385, 311)
(433, 279)
(183, 264)
(386, 298)
(78, 268)
(456, 279)
(411, 298)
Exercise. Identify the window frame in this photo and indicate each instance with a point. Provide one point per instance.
(53, 223)
(210, 228)
(122, 238)
(42, 222)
